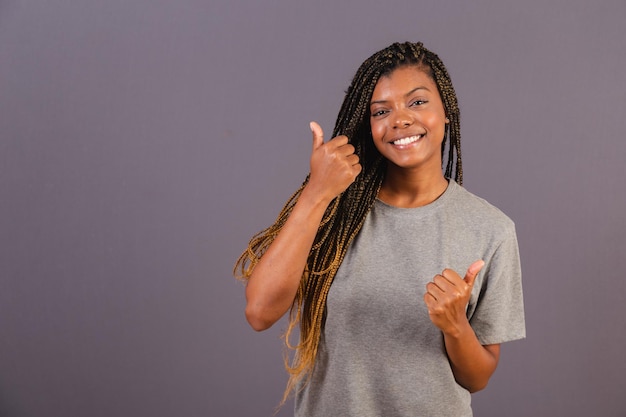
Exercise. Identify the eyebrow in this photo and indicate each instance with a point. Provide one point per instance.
(406, 95)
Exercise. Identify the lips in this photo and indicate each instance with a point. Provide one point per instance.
(407, 140)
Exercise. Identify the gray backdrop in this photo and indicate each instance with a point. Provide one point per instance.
(143, 142)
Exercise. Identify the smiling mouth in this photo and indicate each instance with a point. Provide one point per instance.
(408, 140)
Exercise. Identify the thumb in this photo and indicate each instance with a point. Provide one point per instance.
(473, 271)
(318, 135)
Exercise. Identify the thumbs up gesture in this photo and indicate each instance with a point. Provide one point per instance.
(447, 296)
(334, 165)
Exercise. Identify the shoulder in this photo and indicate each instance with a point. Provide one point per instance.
(476, 212)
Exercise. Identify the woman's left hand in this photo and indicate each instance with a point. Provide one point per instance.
(447, 296)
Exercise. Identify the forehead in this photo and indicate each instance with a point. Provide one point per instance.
(403, 80)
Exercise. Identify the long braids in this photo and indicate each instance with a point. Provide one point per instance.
(346, 213)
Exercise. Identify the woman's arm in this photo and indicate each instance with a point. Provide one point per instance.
(472, 363)
(274, 282)
(275, 279)
(446, 298)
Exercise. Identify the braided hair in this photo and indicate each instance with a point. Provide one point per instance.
(346, 213)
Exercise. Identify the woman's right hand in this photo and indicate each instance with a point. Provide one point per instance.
(334, 165)
(275, 279)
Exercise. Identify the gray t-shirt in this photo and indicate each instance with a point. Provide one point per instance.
(379, 354)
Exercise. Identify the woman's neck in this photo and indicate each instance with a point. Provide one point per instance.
(406, 190)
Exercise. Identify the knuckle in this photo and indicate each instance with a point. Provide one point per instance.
(437, 310)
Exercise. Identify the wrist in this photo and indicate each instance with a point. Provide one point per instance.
(459, 331)
(314, 197)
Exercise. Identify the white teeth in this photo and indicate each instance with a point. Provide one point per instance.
(406, 141)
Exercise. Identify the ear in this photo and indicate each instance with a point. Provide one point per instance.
(447, 120)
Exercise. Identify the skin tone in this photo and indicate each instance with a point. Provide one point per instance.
(408, 125)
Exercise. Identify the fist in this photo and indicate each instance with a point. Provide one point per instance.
(334, 165)
(447, 296)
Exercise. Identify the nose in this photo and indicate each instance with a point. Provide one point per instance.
(403, 118)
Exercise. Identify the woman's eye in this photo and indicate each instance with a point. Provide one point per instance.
(378, 113)
(418, 102)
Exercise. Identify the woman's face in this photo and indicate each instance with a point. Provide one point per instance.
(408, 119)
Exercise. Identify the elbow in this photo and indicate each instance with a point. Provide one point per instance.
(261, 312)
(257, 320)
(477, 387)
(472, 384)
(475, 384)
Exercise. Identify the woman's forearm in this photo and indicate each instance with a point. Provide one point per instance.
(472, 363)
(275, 279)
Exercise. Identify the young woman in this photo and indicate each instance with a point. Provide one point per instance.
(403, 283)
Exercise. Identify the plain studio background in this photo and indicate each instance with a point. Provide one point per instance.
(144, 142)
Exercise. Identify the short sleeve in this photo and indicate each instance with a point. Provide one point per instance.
(498, 315)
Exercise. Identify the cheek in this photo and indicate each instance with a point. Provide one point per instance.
(436, 122)
(377, 130)
(435, 119)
